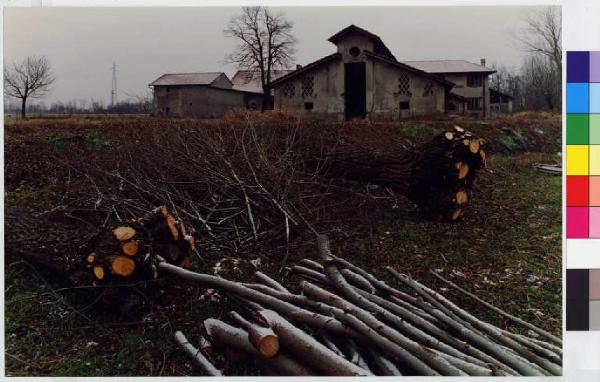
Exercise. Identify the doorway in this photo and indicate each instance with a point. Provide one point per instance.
(355, 93)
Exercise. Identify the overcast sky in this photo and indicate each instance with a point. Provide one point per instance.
(82, 43)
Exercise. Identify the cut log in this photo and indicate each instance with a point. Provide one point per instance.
(456, 214)
(358, 280)
(382, 364)
(157, 234)
(373, 335)
(457, 323)
(319, 321)
(123, 233)
(121, 265)
(172, 223)
(461, 197)
(310, 350)
(263, 339)
(270, 282)
(383, 329)
(463, 169)
(197, 356)
(130, 248)
(99, 272)
(474, 146)
(233, 338)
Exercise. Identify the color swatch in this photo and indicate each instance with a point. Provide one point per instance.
(583, 299)
(583, 145)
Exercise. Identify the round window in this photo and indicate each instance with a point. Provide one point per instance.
(354, 51)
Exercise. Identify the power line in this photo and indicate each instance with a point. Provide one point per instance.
(113, 91)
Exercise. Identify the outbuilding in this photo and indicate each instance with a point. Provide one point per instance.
(200, 95)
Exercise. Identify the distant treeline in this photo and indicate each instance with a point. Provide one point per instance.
(536, 85)
(143, 106)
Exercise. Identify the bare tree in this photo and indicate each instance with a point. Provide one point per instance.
(543, 35)
(541, 72)
(29, 79)
(265, 41)
(541, 84)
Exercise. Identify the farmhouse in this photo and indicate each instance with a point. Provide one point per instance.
(471, 81)
(200, 95)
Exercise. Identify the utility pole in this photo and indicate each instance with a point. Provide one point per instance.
(113, 91)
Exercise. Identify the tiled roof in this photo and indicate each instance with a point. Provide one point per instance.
(249, 80)
(413, 69)
(449, 66)
(186, 79)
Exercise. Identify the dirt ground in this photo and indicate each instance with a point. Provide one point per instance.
(506, 249)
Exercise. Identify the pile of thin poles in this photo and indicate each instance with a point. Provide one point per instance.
(347, 322)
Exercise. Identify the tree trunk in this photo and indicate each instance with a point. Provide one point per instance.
(437, 176)
(23, 107)
(199, 359)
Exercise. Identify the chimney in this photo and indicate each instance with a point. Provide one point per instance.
(482, 62)
(298, 66)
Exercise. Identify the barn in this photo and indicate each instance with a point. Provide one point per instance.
(362, 78)
(200, 95)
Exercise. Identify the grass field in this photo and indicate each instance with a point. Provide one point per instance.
(507, 249)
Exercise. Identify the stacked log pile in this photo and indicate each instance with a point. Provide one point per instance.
(130, 249)
(437, 176)
(346, 322)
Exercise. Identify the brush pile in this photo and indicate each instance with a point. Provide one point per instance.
(243, 183)
(346, 322)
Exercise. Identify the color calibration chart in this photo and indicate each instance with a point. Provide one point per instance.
(583, 144)
(583, 186)
(583, 299)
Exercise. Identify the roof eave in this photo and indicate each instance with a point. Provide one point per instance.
(305, 68)
(466, 71)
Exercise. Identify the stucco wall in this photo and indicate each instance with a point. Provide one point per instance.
(354, 40)
(328, 91)
(386, 98)
(200, 101)
(222, 82)
(382, 96)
